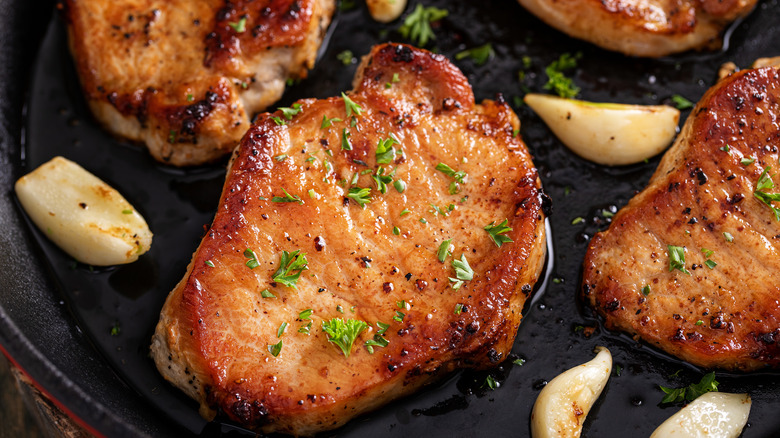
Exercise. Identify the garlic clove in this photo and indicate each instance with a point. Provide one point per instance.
(385, 11)
(608, 133)
(84, 216)
(561, 407)
(714, 414)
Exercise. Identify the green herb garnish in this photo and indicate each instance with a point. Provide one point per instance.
(327, 123)
(459, 177)
(765, 183)
(463, 272)
(444, 250)
(557, 82)
(385, 152)
(281, 329)
(360, 195)
(252, 262)
(747, 161)
(287, 198)
(343, 333)
(480, 55)
(350, 106)
(690, 392)
(288, 113)
(290, 267)
(346, 57)
(676, 258)
(646, 290)
(417, 25)
(240, 26)
(275, 349)
(496, 232)
(681, 103)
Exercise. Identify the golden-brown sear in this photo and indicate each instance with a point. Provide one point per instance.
(186, 76)
(701, 198)
(374, 264)
(642, 28)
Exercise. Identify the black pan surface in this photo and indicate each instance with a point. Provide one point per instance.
(57, 316)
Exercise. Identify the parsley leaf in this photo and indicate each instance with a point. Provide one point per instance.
(346, 145)
(382, 180)
(346, 57)
(676, 258)
(491, 383)
(252, 262)
(360, 195)
(480, 55)
(326, 122)
(463, 272)
(350, 106)
(496, 232)
(417, 25)
(288, 113)
(681, 103)
(290, 267)
(281, 329)
(399, 185)
(557, 81)
(240, 26)
(444, 250)
(385, 152)
(765, 183)
(343, 333)
(305, 314)
(287, 198)
(267, 294)
(275, 349)
(692, 391)
(377, 341)
(459, 177)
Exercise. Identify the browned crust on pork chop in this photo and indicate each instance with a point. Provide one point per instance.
(702, 198)
(643, 28)
(186, 76)
(214, 331)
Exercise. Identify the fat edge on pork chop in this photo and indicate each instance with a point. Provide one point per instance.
(387, 194)
(185, 77)
(691, 264)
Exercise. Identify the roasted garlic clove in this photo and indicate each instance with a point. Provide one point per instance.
(563, 404)
(607, 133)
(767, 62)
(714, 414)
(84, 216)
(385, 11)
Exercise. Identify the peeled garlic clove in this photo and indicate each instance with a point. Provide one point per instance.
(608, 133)
(767, 62)
(714, 414)
(385, 11)
(563, 404)
(84, 216)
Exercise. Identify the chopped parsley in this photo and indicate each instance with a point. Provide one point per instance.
(281, 329)
(305, 314)
(275, 349)
(726, 148)
(417, 25)
(765, 183)
(681, 103)
(278, 120)
(327, 123)
(728, 236)
(707, 252)
(496, 232)
(458, 309)
(252, 262)
(399, 185)
(399, 316)
(557, 82)
(577, 220)
(690, 392)
(396, 231)
(480, 55)
(393, 81)
(459, 177)
(676, 258)
(209, 263)
(240, 26)
(385, 152)
(346, 145)
(519, 362)
(305, 329)
(267, 294)
(699, 322)
(290, 267)
(444, 250)
(710, 264)
(646, 290)
(288, 113)
(382, 327)
(115, 329)
(350, 106)
(404, 212)
(190, 97)
(377, 341)
(360, 195)
(463, 272)
(287, 198)
(491, 383)
(280, 157)
(343, 333)
(747, 161)
(346, 57)
(381, 179)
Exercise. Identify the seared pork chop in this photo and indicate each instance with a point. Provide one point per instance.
(387, 193)
(186, 76)
(692, 263)
(649, 28)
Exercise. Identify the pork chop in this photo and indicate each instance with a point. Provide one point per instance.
(186, 76)
(692, 263)
(649, 28)
(386, 193)
(375, 189)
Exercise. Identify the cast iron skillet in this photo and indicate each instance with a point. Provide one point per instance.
(56, 316)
